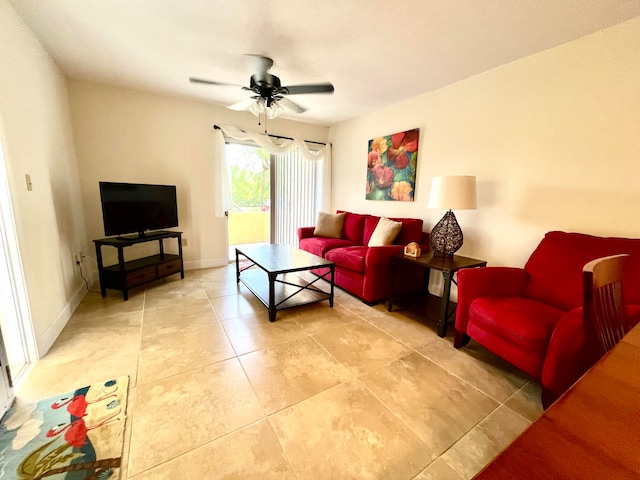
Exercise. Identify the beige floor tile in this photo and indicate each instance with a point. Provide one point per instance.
(409, 331)
(360, 346)
(292, 372)
(328, 424)
(86, 353)
(421, 310)
(177, 414)
(253, 332)
(352, 303)
(473, 451)
(209, 274)
(478, 366)
(167, 294)
(221, 288)
(93, 305)
(527, 401)
(316, 317)
(436, 405)
(126, 447)
(181, 337)
(232, 306)
(438, 470)
(250, 453)
(346, 433)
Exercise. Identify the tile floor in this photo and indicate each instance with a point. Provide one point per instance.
(216, 391)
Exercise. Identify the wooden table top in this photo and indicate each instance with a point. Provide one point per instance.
(448, 264)
(275, 258)
(593, 431)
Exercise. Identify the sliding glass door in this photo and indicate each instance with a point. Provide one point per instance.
(249, 220)
(272, 195)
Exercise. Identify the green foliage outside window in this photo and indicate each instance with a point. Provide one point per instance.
(250, 179)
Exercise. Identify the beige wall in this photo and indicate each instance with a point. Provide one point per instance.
(554, 140)
(37, 140)
(131, 136)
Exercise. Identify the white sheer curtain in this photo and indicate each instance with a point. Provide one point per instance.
(222, 195)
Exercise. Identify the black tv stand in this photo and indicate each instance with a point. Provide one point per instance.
(138, 236)
(125, 275)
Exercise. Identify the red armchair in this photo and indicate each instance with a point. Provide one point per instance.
(532, 316)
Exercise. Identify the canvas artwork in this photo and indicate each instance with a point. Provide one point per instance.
(391, 167)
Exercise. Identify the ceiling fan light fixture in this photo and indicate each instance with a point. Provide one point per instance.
(258, 107)
(274, 109)
(266, 106)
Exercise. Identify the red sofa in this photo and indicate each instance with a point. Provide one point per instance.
(366, 271)
(532, 316)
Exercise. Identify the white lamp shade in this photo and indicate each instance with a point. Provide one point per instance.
(453, 193)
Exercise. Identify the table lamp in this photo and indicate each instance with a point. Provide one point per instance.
(451, 193)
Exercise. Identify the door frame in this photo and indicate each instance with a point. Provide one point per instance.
(250, 144)
(11, 263)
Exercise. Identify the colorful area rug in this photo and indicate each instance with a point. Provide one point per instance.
(73, 436)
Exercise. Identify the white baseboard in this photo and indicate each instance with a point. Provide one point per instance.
(51, 333)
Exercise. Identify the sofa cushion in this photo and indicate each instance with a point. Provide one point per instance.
(352, 258)
(329, 225)
(555, 267)
(385, 233)
(411, 231)
(353, 228)
(321, 245)
(370, 224)
(522, 327)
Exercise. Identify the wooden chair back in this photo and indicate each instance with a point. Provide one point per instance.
(604, 315)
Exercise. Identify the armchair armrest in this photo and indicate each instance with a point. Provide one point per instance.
(305, 232)
(486, 282)
(377, 278)
(381, 255)
(565, 360)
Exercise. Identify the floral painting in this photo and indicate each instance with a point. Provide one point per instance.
(391, 167)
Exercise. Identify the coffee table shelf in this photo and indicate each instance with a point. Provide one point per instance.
(287, 289)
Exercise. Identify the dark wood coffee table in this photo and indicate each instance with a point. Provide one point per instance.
(274, 282)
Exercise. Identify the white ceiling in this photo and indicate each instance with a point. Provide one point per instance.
(375, 52)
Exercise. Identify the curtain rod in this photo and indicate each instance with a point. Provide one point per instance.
(216, 127)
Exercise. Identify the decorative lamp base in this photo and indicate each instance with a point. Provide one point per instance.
(446, 236)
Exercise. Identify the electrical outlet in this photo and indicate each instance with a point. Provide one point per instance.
(77, 258)
(184, 242)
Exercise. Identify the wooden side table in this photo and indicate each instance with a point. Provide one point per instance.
(448, 266)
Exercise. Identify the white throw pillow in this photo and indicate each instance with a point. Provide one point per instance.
(385, 233)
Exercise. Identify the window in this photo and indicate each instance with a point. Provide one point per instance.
(272, 195)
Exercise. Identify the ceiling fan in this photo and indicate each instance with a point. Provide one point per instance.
(270, 96)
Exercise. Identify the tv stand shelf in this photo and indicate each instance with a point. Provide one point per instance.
(125, 275)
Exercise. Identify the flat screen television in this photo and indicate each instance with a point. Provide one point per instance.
(137, 208)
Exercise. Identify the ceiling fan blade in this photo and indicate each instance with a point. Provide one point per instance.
(211, 82)
(285, 102)
(310, 88)
(242, 104)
